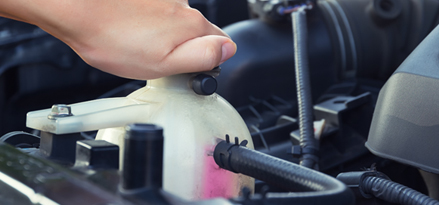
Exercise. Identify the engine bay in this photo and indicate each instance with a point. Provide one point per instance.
(325, 102)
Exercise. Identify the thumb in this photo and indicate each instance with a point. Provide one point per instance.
(199, 54)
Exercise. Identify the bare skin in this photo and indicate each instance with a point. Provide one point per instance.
(138, 39)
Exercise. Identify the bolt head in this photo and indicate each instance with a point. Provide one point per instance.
(60, 110)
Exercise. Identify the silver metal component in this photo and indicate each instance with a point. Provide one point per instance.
(60, 110)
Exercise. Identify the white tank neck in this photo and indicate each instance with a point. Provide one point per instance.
(175, 82)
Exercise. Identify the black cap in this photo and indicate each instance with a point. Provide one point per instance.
(142, 157)
(204, 84)
(140, 131)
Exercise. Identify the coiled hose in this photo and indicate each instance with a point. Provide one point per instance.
(395, 193)
(315, 187)
(308, 143)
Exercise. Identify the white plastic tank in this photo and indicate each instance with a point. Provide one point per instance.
(193, 124)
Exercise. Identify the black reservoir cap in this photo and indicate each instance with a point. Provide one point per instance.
(204, 84)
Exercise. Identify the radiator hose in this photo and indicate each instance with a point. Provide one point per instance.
(372, 183)
(395, 193)
(314, 187)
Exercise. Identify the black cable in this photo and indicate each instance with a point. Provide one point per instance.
(315, 187)
(309, 145)
(395, 193)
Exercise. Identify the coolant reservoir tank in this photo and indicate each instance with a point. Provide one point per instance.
(193, 124)
(194, 120)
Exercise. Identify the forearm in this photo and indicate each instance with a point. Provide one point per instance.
(43, 13)
(139, 39)
(14, 9)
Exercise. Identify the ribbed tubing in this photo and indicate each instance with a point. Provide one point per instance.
(315, 187)
(303, 86)
(396, 193)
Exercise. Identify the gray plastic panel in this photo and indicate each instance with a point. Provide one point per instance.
(424, 60)
(405, 125)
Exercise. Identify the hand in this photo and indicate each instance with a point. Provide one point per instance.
(138, 39)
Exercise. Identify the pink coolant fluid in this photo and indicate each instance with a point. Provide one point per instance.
(218, 182)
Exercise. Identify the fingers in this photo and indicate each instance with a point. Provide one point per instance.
(200, 24)
(215, 30)
(199, 54)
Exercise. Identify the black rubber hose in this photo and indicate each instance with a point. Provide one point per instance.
(314, 187)
(308, 143)
(395, 193)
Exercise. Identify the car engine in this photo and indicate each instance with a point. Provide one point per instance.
(325, 102)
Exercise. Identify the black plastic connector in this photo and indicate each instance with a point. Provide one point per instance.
(354, 180)
(59, 147)
(97, 154)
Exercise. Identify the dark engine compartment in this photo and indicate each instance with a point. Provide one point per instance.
(354, 47)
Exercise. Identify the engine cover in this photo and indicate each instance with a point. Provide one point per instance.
(405, 124)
